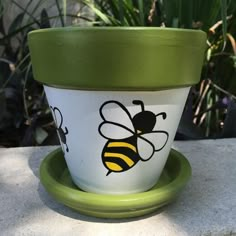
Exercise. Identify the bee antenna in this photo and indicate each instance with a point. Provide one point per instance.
(109, 172)
(138, 102)
(163, 114)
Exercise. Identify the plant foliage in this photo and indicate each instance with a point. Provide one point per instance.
(210, 108)
(210, 111)
(25, 118)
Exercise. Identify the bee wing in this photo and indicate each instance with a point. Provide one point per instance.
(158, 138)
(111, 130)
(116, 113)
(145, 148)
(56, 113)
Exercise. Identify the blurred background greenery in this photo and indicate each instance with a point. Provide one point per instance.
(210, 111)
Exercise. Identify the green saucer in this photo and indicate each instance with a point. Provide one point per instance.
(56, 179)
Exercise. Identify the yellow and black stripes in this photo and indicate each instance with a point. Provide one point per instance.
(122, 144)
(119, 156)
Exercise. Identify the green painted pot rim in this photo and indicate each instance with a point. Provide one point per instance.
(117, 58)
(57, 181)
(113, 28)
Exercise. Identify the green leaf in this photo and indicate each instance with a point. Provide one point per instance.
(121, 12)
(208, 55)
(234, 60)
(44, 21)
(28, 26)
(60, 13)
(97, 12)
(141, 13)
(28, 4)
(25, 11)
(206, 12)
(231, 7)
(170, 8)
(186, 20)
(131, 14)
(224, 19)
(16, 23)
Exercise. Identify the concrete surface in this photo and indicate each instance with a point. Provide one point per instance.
(207, 206)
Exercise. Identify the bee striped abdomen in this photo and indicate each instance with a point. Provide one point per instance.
(119, 156)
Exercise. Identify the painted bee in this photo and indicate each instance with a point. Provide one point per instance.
(130, 139)
(61, 132)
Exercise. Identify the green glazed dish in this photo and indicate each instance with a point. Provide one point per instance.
(117, 58)
(57, 181)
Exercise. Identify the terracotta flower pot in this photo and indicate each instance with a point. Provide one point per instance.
(117, 95)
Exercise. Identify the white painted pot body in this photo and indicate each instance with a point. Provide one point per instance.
(105, 151)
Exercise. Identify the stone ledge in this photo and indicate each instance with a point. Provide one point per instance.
(207, 206)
